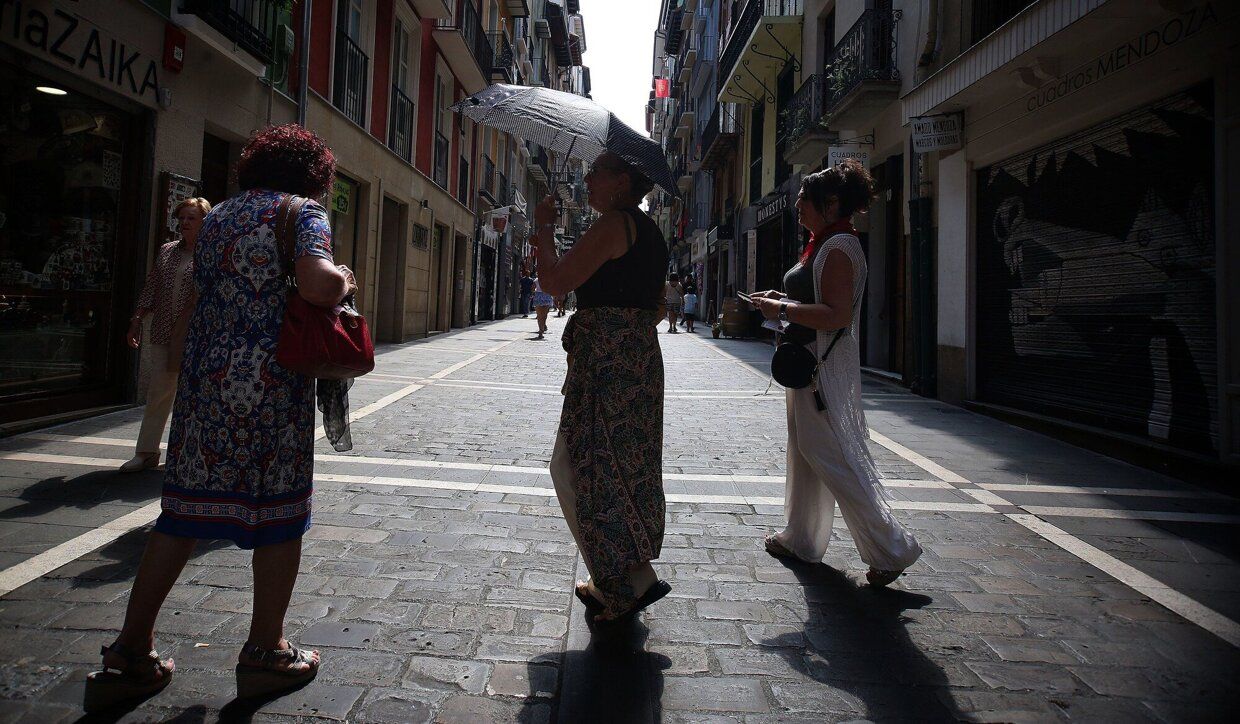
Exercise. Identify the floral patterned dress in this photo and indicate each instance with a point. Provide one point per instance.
(240, 451)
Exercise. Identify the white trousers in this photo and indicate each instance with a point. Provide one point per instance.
(160, 395)
(819, 476)
(640, 577)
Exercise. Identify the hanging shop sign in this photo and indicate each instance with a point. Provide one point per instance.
(772, 208)
(839, 154)
(937, 133)
(65, 38)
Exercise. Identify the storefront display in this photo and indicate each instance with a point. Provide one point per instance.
(63, 157)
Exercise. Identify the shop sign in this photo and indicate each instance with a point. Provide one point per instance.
(67, 39)
(1173, 31)
(937, 133)
(342, 196)
(838, 154)
(699, 247)
(772, 208)
(175, 190)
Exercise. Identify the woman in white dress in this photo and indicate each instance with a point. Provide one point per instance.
(828, 461)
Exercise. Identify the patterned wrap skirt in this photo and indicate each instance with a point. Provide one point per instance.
(612, 425)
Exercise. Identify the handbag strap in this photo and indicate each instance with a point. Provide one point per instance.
(287, 214)
(838, 334)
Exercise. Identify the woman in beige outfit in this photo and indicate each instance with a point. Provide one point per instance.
(168, 296)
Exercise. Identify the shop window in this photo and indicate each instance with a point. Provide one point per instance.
(63, 161)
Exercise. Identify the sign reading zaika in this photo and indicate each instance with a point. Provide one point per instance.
(69, 40)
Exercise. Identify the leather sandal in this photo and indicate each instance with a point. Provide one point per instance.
(144, 676)
(267, 671)
(880, 578)
(777, 549)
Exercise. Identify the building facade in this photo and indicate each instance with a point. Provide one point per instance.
(1049, 238)
(115, 110)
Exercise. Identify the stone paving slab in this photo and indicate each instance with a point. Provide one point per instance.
(442, 604)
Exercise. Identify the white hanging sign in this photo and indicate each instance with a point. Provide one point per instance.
(937, 133)
(836, 154)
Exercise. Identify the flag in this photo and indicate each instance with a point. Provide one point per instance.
(662, 87)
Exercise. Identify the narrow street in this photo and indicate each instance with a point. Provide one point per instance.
(1056, 584)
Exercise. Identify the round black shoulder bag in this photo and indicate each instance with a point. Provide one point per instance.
(795, 367)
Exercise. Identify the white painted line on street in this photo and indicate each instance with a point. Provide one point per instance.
(1207, 618)
(1180, 604)
(1051, 511)
(81, 439)
(1120, 492)
(39, 565)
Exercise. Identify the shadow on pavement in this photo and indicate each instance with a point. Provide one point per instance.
(858, 643)
(85, 492)
(618, 681)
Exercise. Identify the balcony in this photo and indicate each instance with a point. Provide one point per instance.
(861, 77)
(539, 166)
(229, 25)
(433, 9)
(688, 119)
(755, 51)
(487, 185)
(720, 135)
(400, 124)
(802, 128)
(503, 64)
(466, 46)
(440, 171)
(352, 68)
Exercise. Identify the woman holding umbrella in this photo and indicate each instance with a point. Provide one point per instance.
(607, 464)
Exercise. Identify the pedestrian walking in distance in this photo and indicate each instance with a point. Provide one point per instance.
(527, 292)
(542, 305)
(607, 462)
(690, 309)
(240, 452)
(828, 461)
(167, 297)
(673, 297)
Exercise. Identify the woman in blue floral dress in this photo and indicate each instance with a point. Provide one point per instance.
(240, 451)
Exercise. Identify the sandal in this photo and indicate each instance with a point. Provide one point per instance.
(879, 578)
(272, 670)
(594, 608)
(144, 676)
(777, 549)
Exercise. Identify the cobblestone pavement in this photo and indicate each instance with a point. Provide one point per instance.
(1056, 585)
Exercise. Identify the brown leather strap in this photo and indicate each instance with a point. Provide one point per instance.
(287, 214)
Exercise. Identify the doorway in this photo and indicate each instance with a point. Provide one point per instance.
(438, 290)
(389, 321)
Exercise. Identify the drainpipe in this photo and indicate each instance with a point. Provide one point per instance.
(303, 64)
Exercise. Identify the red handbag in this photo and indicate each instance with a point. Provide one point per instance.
(327, 343)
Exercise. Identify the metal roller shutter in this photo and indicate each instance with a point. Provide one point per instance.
(1096, 276)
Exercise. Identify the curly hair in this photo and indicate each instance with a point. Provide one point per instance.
(848, 181)
(287, 158)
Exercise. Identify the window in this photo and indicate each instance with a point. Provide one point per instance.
(400, 121)
(350, 19)
(400, 57)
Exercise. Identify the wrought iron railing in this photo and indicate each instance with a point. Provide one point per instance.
(469, 24)
(723, 123)
(804, 110)
(441, 160)
(501, 189)
(250, 24)
(753, 13)
(867, 52)
(352, 70)
(400, 124)
(488, 177)
(504, 60)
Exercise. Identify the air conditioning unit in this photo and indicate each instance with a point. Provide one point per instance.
(542, 28)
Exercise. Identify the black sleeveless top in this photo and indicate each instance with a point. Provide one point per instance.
(635, 280)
